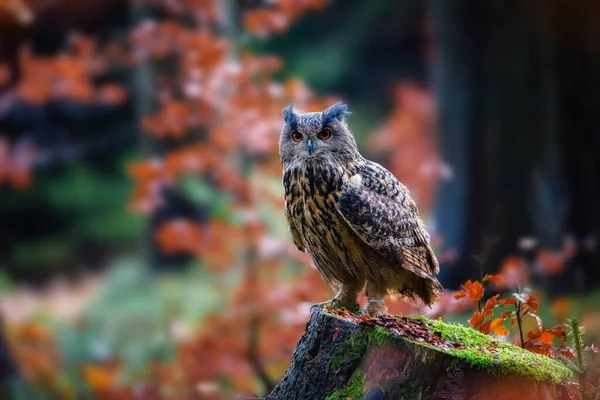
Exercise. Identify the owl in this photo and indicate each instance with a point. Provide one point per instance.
(356, 220)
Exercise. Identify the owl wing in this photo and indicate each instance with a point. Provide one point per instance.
(380, 210)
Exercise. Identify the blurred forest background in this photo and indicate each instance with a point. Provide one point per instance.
(143, 247)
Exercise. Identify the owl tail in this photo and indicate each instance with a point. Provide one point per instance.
(422, 262)
(430, 291)
(433, 288)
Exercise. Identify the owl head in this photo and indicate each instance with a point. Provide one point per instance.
(316, 136)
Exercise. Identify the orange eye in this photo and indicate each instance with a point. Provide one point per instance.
(296, 136)
(325, 134)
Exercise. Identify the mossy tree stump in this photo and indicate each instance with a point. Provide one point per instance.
(343, 356)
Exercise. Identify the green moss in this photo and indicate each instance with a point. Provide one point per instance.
(486, 352)
(352, 350)
(353, 389)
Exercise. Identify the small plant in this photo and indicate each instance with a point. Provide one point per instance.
(483, 319)
(579, 363)
(525, 304)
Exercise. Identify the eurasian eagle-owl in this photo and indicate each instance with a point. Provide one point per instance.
(356, 220)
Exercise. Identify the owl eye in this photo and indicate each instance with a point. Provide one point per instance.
(296, 136)
(325, 134)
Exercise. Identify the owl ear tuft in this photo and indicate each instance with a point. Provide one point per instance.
(290, 117)
(338, 112)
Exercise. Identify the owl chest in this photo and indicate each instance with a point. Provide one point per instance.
(312, 195)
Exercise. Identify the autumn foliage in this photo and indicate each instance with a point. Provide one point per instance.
(517, 309)
(220, 115)
(216, 118)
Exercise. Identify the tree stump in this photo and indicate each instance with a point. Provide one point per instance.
(344, 356)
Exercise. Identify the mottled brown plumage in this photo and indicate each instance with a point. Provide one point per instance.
(355, 219)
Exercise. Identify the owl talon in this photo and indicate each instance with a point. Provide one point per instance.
(376, 308)
(331, 303)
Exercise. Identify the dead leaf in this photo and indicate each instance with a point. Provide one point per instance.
(336, 333)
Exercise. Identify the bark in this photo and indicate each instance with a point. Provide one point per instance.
(399, 369)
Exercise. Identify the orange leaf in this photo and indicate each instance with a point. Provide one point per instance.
(460, 294)
(505, 314)
(546, 338)
(490, 304)
(513, 321)
(474, 290)
(493, 278)
(476, 319)
(501, 330)
(496, 322)
(336, 333)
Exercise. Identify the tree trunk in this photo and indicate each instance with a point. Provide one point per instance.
(337, 358)
(518, 126)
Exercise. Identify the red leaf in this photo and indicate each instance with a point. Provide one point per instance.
(336, 333)
(485, 328)
(532, 303)
(567, 352)
(560, 332)
(536, 348)
(534, 335)
(511, 301)
(505, 314)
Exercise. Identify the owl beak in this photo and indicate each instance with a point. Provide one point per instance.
(310, 147)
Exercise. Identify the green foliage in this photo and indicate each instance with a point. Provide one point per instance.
(579, 365)
(353, 389)
(577, 337)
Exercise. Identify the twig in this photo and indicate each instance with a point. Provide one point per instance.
(518, 306)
